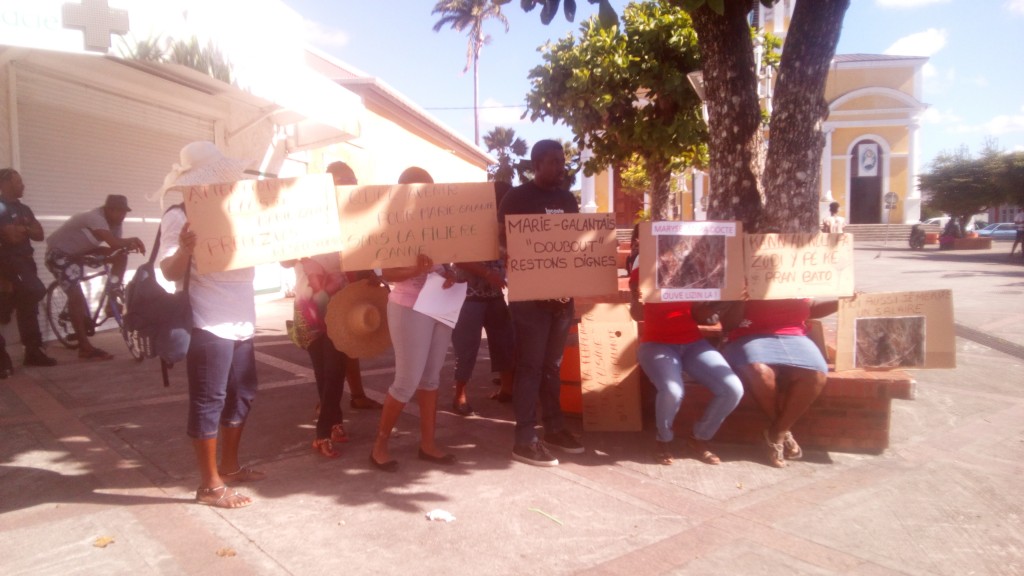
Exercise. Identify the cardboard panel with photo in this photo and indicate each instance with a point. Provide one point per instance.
(780, 266)
(691, 261)
(609, 371)
(388, 226)
(560, 256)
(251, 222)
(896, 330)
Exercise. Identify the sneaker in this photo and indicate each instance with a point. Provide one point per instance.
(36, 357)
(534, 454)
(565, 441)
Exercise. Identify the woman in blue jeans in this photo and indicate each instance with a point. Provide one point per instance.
(670, 344)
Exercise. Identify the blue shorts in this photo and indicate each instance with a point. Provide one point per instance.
(775, 350)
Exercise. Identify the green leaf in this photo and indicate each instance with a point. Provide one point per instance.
(549, 11)
(570, 10)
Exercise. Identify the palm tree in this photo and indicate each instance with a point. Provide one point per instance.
(469, 15)
(504, 142)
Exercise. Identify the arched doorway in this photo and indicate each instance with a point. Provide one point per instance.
(866, 172)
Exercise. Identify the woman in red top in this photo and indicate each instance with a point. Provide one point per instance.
(672, 343)
(779, 365)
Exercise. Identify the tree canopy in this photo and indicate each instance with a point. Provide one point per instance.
(623, 91)
(511, 151)
(777, 190)
(961, 185)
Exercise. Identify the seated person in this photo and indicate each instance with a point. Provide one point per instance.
(672, 343)
(82, 235)
(768, 347)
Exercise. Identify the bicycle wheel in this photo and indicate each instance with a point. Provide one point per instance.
(59, 317)
(131, 339)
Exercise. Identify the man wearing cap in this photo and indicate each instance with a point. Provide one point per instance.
(85, 234)
(18, 228)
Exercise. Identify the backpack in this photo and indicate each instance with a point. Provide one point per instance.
(160, 322)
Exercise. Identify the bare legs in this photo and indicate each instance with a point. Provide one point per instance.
(212, 484)
(783, 393)
(427, 399)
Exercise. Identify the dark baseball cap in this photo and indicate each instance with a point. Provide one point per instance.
(118, 202)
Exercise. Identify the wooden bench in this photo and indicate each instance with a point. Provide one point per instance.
(852, 414)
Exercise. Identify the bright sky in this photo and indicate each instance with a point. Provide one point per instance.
(973, 82)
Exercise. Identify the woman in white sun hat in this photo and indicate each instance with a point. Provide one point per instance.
(221, 360)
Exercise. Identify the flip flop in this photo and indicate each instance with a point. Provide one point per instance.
(95, 355)
(244, 474)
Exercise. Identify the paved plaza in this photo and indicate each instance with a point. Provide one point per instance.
(97, 475)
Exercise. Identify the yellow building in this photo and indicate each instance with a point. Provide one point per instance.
(870, 161)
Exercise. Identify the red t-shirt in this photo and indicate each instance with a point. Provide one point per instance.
(668, 322)
(774, 317)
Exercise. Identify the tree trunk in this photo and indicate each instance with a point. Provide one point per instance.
(476, 98)
(659, 177)
(792, 178)
(734, 114)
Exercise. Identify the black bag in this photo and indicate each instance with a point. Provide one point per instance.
(160, 322)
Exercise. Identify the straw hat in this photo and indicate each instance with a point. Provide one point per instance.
(202, 163)
(357, 321)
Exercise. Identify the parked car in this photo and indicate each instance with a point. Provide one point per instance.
(1000, 231)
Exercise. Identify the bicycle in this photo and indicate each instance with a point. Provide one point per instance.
(110, 305)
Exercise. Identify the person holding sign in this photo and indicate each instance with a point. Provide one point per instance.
(221, 358)
(784, 370)
(670, 344)
(344, 176)
(421, 343)
(540, 326)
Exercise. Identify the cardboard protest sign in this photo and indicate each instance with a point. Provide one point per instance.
(896, 330)
(251, 222)
(691, 261)
(560, 255)
(388, 226)
(780, 266)
(609, 371)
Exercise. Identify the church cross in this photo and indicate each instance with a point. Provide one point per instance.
(97, 20)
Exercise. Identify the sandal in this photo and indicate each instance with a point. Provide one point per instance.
(702, 452)
(663, 453)
(364, 403)
(95, 355)
(774, 452)
(222, 497)
(325, 447)
(338, 433)
(244, 474)
(793, 450)
(502, 396)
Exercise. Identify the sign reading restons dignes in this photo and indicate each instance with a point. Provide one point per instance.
(388, 226)
(252, 222)
(798, 265)
(896, 330)
(691, 261)
(560, 256)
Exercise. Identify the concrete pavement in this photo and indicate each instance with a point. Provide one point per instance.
(97, 475)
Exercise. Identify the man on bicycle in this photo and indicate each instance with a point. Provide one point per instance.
(67, 252)
(18, 228)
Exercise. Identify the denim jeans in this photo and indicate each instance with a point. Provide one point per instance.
(492, 315)
(221, 383)
(664, 365)
(540, 333)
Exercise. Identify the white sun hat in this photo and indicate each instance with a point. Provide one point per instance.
(202, 163)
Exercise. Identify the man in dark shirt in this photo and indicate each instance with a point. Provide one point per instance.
(541, 326)
(18, 228)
